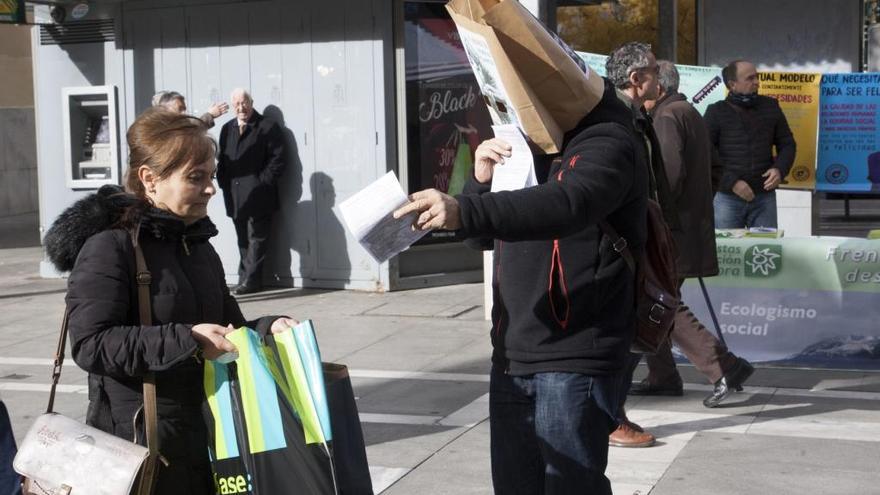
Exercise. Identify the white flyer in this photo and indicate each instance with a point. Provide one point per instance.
(486, 73)
(368, 216)
(518, 170)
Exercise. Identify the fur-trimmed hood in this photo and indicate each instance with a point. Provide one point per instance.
(112, 208)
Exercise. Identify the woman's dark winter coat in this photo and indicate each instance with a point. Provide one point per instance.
(188, 287)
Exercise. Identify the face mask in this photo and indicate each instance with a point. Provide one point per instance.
(744, 100)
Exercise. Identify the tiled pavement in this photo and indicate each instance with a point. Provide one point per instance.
(419, 362)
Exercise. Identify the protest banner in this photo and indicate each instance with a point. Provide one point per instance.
(808, 302)
(849, 134)
(798, 97)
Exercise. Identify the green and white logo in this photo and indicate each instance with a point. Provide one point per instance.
(763, 260)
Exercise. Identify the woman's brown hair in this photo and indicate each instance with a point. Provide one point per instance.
(165, 141)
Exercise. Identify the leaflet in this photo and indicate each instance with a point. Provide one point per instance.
(518, 170)
(368, 214)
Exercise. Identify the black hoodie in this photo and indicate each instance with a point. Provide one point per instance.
(563, 299)
(107, 340)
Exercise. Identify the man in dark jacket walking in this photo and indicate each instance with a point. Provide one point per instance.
(744, 128)
(251, 161)
(690, 168)
(564, 308)
(633, 70)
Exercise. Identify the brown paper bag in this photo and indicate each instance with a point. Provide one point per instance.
(546, 86)
(503, 89)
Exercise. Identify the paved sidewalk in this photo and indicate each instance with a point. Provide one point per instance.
(419, 362)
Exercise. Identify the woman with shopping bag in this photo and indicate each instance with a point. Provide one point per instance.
(163, 213)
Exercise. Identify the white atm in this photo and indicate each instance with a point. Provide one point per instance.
(91, 142)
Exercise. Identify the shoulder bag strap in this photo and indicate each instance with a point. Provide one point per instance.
(143, 278)
(59, 360)
(619, 244)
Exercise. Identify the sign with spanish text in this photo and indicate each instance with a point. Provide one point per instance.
(808, 302)
(798, 97)
(849, 134)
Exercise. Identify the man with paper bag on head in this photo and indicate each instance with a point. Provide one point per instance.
(527, 75)
(563, 314)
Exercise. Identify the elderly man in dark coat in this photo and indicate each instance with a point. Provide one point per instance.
(251, 161)
(693, 172)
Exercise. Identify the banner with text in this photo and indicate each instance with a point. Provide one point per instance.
(849, 134)
(798, 96)
(796, 302)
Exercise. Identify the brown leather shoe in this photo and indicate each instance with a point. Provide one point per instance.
(631, 435)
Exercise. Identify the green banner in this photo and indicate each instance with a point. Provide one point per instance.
(821, 263)
(809, 302)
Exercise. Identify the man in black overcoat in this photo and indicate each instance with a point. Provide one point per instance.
(250, 164)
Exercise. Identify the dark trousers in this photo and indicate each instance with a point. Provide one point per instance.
(626, 380)
(253, 242)
(697, 343)
(549, 432)
(10, 482)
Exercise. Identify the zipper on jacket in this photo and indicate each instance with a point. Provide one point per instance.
(185, 246)
(557, 275)
(556, 266)
(497, 275)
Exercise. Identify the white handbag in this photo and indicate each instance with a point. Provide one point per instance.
(61, 456)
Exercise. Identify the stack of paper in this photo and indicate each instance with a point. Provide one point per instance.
(368, 215)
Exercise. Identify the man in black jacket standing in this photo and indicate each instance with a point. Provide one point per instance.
(251, 161)
(563, 309)
(744, 128)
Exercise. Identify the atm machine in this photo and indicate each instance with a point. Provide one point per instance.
(91, 142)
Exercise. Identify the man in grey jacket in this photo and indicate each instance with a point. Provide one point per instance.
(693, 171)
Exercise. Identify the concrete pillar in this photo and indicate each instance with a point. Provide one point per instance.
(667, 30)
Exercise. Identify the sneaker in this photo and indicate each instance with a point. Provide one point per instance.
(732, 381)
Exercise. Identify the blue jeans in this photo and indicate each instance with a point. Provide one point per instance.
(733, 212)
(549, 432)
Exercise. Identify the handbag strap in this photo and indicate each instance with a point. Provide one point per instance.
(143, 277)
(619, 244)
(59, 360)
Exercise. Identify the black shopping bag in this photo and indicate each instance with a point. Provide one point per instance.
(347, 445)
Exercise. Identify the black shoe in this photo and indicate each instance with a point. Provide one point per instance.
(645, 387)
(243, 290)
(731, 381)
